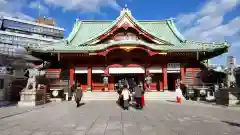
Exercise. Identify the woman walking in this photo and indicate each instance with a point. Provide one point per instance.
(125, 96)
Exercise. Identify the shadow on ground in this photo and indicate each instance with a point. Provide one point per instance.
(173, 101)
(232, 123)
(119, 104)
(81, 104)
(9, 105)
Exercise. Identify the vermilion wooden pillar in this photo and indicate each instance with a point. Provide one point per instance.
(89, 77)
(71, 77)
(165, 78)
(161, 83)
(182, 70)
(111, 83)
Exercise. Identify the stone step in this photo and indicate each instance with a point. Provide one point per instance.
(113, 95)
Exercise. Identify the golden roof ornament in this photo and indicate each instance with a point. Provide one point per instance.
(125, 10)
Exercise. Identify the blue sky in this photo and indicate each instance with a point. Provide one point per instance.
(201, 20)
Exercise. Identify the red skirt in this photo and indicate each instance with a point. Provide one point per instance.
(143, 101)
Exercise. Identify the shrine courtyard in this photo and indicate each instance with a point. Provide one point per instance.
(107, 118)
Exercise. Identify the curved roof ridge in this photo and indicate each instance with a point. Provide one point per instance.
(126, 12)
(123, 12)
(199, 42)
(74, 31)
(157, 21)
(174, 29)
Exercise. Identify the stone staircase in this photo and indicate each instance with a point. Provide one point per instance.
(167, 95)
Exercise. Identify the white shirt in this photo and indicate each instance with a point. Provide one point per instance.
(125, 94)
(179, 92)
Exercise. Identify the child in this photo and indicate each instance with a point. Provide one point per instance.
(125, 95)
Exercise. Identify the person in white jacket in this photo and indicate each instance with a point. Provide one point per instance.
(126, 95)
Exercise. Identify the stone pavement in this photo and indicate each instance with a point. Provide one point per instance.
(12, 109)
(107, 118)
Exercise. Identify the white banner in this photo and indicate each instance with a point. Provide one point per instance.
(124, 70)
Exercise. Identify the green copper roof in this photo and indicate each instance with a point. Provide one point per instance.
(87, 31)
(84, 37)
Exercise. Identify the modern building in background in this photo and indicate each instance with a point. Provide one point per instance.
(15, 31)
(15, 35)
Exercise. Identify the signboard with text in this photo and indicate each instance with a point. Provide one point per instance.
(173, 66)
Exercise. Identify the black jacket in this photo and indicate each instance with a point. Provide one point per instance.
(138, 91)
(78, 94)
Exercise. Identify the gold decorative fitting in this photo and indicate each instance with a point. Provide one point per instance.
(128, 48)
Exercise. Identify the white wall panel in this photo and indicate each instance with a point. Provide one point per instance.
(155, 69)
(98, 70)
(81, 70)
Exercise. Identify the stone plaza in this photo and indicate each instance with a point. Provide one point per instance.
(107, 118)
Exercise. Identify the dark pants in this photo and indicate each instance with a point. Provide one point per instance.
(125, 104)
(138, 102)
(78, 101)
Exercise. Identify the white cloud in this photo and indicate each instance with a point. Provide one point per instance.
(38, 6)
(186, 19)
(84, 5)
(13, 9)
(208, 24)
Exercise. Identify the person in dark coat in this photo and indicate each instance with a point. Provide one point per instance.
(78, 94)
(138, 96)
(132, 84)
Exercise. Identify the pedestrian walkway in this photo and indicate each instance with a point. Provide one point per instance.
(166, 95)
(107, 118)
(13, 109)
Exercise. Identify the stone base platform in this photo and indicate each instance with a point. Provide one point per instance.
(29, 103)
(32, 98)
(228, 96)
(56, 99)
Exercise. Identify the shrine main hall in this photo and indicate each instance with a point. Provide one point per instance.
(126, 48)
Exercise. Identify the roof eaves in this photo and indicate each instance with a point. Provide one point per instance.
(74, 31)
(175, 31)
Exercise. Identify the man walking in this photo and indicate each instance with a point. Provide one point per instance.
(78, 94)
